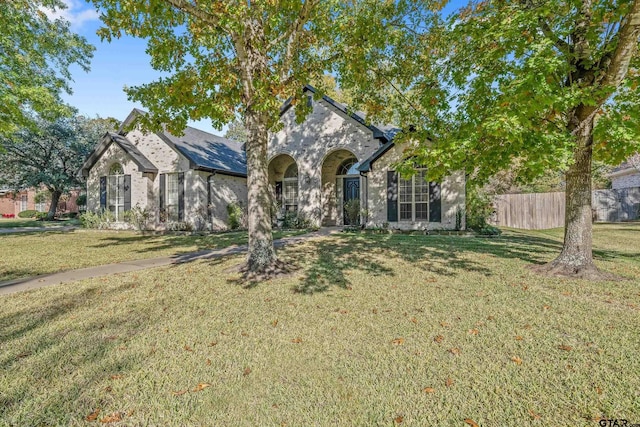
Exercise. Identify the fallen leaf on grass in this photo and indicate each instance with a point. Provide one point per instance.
(517, 360)
(246, 372)
(455, 351)
(274, 323)
(116, 377)
(429, 390)
(490, 318)
(23, 355)
(474, 331)
(179, 392)
(546, 307)
(444, 324)
(398, 341)
(565, 347)
(413, 320)
(113, 418)
(208, 362)
(93, 416)
(470, 422)
(438, 338)
(187, 348)
(244, 334)
(213, 343)
(533, 415)
(598, 390)
(296, 340)
(449, 382)
(201, 387)
(399, 419)
(519, 338)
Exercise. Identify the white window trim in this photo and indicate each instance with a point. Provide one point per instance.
(118, 188)
(413, 200)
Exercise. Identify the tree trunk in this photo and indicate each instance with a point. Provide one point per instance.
(261, 258)
(576, 258)
(53, 207)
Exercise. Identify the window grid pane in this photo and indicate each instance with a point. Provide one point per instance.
(405, 211)
(421, 211)
(404, 190)
(291, 194)
(421, 187)
(172, 196)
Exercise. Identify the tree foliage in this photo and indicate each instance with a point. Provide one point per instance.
(35, 56)
(236, 131)
(51, 154)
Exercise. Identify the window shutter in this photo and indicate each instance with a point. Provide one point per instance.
(163, 185)
(435, 202)
(279, 192)
(103, 193)
(181, 196)
(392, 196)
(127, 192)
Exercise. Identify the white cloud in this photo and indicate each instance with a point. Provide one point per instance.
(76, 13)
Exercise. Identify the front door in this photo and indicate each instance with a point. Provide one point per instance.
(351, 191)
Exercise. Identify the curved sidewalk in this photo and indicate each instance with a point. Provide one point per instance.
(25, 284)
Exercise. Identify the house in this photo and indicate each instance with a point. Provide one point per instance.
(315, 168)
(625, 176)
(14, 202)
(187, 179)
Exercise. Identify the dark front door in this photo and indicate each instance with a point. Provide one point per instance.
(351, 190)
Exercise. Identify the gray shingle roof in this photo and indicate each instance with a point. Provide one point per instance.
(210, 152)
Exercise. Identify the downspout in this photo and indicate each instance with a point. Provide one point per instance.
(364, 195)
(209, 189)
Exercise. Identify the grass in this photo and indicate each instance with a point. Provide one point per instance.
(26, 255)
(28, 222)
(371, 330)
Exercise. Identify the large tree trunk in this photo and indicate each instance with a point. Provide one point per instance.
(261, 258)
(576, 258)
(53, 207)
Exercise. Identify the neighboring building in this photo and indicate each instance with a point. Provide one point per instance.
(314, 169)
(625, 176)
(13, 203)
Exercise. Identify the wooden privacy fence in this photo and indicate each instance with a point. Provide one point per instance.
(537, 211)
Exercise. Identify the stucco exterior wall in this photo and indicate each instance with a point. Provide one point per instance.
(453, 193)
(628, 180)
(324, 132)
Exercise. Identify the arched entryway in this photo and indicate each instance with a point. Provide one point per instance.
(283, 177)
(340, 185)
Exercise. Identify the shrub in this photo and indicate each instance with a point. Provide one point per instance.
(296, 220)
(352, 210)
(237, 215)
(81, 200)
(179, 226)
(41, 216)
(97, 220)
(27, 214)
(138, 217)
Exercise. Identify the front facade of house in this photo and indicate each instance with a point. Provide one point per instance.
(324, 169)
(317, 167)
(179, 180)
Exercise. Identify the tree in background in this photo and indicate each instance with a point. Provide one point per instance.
(228, 59)
(236, 131)
(542, 84)
(36, 54)
(51, 154)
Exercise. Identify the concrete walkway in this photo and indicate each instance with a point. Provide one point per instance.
(25, 284)
(37, 229)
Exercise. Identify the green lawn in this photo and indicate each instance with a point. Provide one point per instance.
(369, 330)
(25, 255)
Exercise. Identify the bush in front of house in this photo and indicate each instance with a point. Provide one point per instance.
(27, 214)
(97, 220)
(138, 217)
(352, 209)
(479, 209)
(295, 221)
(237, 216)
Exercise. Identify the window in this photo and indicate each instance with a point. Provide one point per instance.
(413, 198)
(348, 167)
(172, 197)
(290, 193)
(115, 191)
(23, 202)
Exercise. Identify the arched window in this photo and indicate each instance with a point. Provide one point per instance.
(292, 171)
(291, 188)
(116, 169)
(348, 167)
(115, 191)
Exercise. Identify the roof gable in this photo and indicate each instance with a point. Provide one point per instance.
(144, 164)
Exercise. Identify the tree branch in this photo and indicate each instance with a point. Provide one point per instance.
(626, 48)
(190, 9)
(293, 35)
(562, 45)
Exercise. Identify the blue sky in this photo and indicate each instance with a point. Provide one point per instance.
(123, 62)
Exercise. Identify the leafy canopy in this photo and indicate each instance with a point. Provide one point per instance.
(35, 55)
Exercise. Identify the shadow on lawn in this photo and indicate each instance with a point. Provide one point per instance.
(47, 352)
(323, 263)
